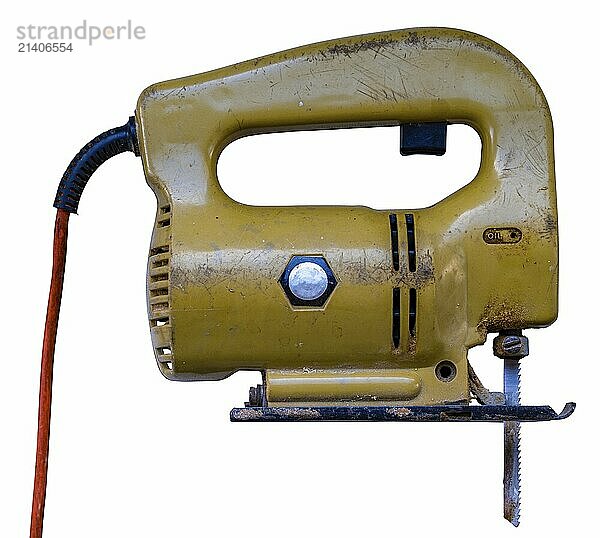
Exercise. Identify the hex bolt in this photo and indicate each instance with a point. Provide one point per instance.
(308, 281)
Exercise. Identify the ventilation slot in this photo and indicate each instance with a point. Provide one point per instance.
(410, 240)
(160, 263)
(163, 249)
(412, 311)
(163, 351)
(394, 238)
(158, 290)
(159, 321)
(159, 307)
(396, 317)
(164, 356)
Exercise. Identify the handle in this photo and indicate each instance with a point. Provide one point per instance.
(418, 75)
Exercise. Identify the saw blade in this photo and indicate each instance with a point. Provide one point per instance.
(512, 449)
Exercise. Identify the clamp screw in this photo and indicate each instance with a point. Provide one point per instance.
(511, 346)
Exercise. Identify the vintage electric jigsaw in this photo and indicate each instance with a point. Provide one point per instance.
(351, 314)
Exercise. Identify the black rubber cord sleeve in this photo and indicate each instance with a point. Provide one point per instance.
(89, 159)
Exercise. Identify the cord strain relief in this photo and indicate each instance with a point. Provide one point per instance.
(89, 159)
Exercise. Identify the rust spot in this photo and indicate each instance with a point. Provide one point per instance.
(347, 49)
(412, 345)
(250, 413)
(298, 412)
(423, 276)
(549, 226)
(414, 40)
(498, 315)
(398, 411)
(425, 273)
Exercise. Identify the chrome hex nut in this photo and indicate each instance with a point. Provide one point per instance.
(308, 281)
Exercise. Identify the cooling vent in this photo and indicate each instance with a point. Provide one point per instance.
(399, 293)
(159, 304)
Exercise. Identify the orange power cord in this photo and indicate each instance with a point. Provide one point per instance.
(59, 256)
(84, 164)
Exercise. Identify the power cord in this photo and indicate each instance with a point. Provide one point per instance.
(72, 184)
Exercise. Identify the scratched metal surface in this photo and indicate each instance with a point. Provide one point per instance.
(215, 303)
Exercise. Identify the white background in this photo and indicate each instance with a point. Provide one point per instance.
(135, 455)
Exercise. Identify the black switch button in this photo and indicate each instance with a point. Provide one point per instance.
(423, 138)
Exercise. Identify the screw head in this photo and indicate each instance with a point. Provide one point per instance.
(511, 346)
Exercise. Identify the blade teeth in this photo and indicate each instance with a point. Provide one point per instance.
(512, 473)
(516, 517)
(517, 513)
(518, 453)
(512, 445)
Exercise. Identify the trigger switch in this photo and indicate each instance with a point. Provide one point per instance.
(423, 138)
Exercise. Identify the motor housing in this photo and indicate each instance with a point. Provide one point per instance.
(407, 292)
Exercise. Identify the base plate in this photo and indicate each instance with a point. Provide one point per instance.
(433, 413)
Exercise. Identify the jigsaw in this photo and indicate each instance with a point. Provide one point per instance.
(349, 313)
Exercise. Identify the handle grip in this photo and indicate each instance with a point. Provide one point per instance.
(417, 75)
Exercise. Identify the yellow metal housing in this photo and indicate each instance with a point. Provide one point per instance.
(485, 260)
